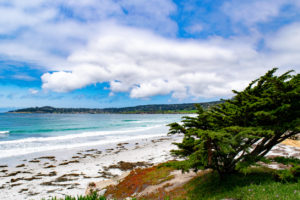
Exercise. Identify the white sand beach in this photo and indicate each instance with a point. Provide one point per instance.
(69, 171)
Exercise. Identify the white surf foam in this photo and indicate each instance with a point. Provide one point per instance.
(28, 150)
(4, 132)
(80, 135)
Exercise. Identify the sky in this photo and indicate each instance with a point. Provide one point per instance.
(117, 53)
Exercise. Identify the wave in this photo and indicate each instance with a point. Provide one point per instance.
(24, 151)
(52, 130)
(4, 132)
(79, 135)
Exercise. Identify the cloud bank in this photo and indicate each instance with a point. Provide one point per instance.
(146, 64)
(134, 46)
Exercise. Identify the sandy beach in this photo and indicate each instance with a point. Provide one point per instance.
(69, 171)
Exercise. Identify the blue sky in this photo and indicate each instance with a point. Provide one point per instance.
(114, 53)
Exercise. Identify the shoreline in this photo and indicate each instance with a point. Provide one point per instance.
(69, 171)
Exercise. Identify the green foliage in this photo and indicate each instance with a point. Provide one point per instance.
(265, 113)
(93, 196)
(292, 173)
(258, 183)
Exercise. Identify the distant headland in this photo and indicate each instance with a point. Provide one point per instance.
(142, 109)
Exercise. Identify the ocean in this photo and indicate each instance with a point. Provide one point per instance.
(23, 134)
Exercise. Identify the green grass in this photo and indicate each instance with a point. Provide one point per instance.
(257, 184)
(93, 196)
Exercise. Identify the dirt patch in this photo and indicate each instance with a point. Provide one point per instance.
(3, 166)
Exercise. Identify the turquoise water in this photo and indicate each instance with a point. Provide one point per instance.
(22, 134)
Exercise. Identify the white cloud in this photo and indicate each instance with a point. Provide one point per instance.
(251, 12)
(123, 50)
(23, 77)
(33, 91)
(45, 32)
(145, 64)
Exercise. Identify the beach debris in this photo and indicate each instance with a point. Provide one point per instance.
(72, 174)
(67, 177)
(51, 191)
(90, 150)
(124, 166)
(159, 140)
(107, 175)
(89, 155)
(14, 185)
(23, 190)
(109, 150)
(75, 157)
(34, 161)
(53, 173)
(122, 144)
(92, 184)
(51, 183)
(21, 165)
(13, 173)
(52, 158)
(32, 193)
(31, 178)
(68, 162)
(49, 166)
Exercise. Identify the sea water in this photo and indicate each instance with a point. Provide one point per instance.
(22, 134)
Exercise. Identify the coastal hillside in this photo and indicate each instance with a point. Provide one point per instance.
(150, 109)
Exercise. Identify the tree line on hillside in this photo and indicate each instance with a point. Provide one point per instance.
(150, 109)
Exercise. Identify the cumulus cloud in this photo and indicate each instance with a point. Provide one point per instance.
(146, 64)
